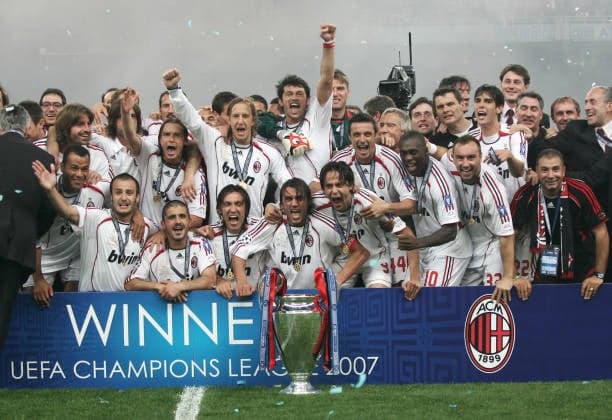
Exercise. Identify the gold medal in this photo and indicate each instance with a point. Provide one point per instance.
(243, 185)
(157, 198)
(345, 249)
(297, 266)
(229, 275)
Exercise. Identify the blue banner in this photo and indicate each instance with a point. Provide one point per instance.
(135, 339)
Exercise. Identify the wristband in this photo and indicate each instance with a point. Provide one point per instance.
(329, 44)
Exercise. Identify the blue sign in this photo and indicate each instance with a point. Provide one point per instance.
(135, 339)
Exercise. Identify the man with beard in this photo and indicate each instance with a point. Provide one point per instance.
(240, 158)
(58, 250)
(380, 171)
(184, 264)
(304, 240)
(485, 213)
(108, 252)
(445, 248)
(162, 166)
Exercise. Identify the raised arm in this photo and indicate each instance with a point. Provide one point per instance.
(324, 88)
(48, 181)
(128, 100)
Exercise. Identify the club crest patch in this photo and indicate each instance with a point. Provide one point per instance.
(489, 334)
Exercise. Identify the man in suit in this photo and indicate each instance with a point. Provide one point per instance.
(25, 212)
(584, 142)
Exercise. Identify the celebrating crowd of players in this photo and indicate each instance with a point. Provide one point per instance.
(206, 198)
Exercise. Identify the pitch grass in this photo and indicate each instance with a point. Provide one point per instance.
(536, 400)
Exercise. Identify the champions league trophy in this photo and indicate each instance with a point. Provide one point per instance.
(302, 323)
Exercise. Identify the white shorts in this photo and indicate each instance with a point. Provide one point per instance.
(374, 272)
(398, 261)
(442, 271)
(523, 258)
(484, 270)
(68, 274)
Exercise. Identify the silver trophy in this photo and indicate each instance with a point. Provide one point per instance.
(297, 327)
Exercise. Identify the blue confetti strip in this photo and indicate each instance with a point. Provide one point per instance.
(335, 389)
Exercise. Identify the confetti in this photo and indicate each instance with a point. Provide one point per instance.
(102, 401)
(241, 382)
(505, 47)
(331, 413)
(236, 410)
(215, 33)
(569, 61)
(452, 406)
(361, 381)
(68, 32)
(335, 389)
(509, 49)
(18, 191)
(363, 42)
(541, 58)
(271, 38)
(1, 197)
(189, 23)
(107, 11)
(586, 382)
(576, 9)
(279, 403)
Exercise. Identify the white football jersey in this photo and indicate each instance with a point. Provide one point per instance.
(158, 264)
(255, 162)
(103, 267)
(98, 162)
(485, 212)
(170, 182)
(316, 247)
(119, 156)
(255, 262)
(437, 206)
(60, 245)
(316, 126)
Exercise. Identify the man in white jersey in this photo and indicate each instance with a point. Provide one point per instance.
(343, 202)
(507, 153)
(233, 206)
(58, 250)
(485, 212)
(445, 248)
(240, 159)
(162, 167)
(380, 170)
(310, 117)
(108, 252)
(73, 126)
(304, 241)
(186, 263)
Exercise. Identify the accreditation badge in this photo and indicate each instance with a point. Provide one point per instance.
(549, 261)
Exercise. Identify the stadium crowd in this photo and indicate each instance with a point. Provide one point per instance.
(204, 198)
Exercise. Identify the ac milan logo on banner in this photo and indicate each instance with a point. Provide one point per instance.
(381, 182)
(489, 334)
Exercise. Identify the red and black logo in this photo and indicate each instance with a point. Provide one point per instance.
(309, 240)
(357, 219)
(489, 334)
(380, 182)
(194, 261)
(177, 192)
(257, 167)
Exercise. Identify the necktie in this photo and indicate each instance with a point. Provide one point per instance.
(602, 135)
(509, 117)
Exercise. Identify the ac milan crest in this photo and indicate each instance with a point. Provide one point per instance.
(194, 261)
(357, 219)
(257, 167)
(309, 240)
(178, 191)
(489, 334)
(380, 182)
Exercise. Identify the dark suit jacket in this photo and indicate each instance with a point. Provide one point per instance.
(579, 145)
(25, 211)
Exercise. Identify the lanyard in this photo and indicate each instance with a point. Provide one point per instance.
(292, 242)
(157, 186)
(421, 189)
(344, 234)
(122, 240)
(296, 129)
(551, 229)
(226, 255)
(370, 185)
(75, 201)
(242, 172)
(186, 272)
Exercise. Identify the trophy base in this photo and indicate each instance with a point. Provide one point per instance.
(300, 388)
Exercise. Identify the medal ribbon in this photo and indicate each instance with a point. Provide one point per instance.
(244, 171)
(122, 241)
(158, 184)
(551, 229)
(326, 303)
(75, 201)
(370, 185)
(187, 274)
(344, 234)
(472, 213)
(267, 347)
(421, 189)
(297, 258)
